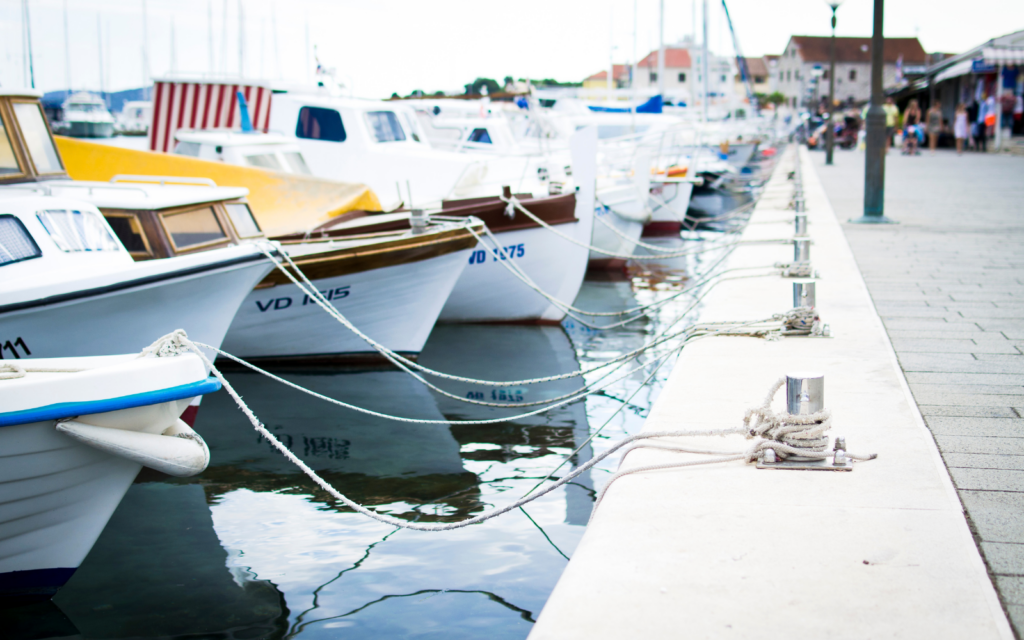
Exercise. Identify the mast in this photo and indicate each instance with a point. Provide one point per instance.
(99, 43)
(26, 24)
(308, 67)
(174, 49)
(67, 51)
(209, 24)
(241, 40)
(611, 52)
(635, 69)
(224, 41)
(705, 67)
(661, 48)
(741, 62)
(145, 46)
(277, 54)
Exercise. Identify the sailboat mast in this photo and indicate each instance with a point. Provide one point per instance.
(27, 27)
(661, 48)
(241, 39)
(209, 25)
(99, 45)
(145, 46)
(705, 71)
(67, 51)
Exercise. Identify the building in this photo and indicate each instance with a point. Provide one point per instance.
(620, 76)
(801, 73)
(758, 70)
(683, 75)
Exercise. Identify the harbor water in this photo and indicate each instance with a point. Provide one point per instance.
(251, 548)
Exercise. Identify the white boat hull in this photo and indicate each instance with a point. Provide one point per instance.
(397, 306)
(669, 203)
(626, 211)
(488, 292)
(107, 322)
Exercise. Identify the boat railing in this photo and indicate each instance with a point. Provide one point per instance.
(163, 180)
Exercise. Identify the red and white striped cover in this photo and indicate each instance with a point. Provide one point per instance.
(203, 105)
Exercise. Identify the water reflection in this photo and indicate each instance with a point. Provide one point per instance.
(253, 549)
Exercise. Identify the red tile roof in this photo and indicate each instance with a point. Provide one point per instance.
(621, 72)
(816, 49)
(674, 59)
(757, 67)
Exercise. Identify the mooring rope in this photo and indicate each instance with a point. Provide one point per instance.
(776, 426)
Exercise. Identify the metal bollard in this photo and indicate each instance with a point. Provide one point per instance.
(418, 220)
(801, 250)
(803, 294)
(805, 393)
(799, 204)
(801, 225)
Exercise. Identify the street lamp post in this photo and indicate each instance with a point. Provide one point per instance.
(830, 133)
(874, 156)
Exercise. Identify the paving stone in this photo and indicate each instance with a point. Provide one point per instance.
(974, 444)
(960, 411)
(932, 394)
(997, 516)
(984, 461)
(985, 316)
(985, 363)
(932, 324)
(969, 478)
(991, 427)
(960, 332)
(926, 377)
(1016, 615)
(1012, 589)
(1004, 557)
(952, 345)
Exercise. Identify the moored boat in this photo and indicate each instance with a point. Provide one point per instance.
(86, 116)
(74, 433)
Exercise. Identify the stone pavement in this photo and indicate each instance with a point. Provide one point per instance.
(948, 282)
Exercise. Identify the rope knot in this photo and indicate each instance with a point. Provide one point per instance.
(789, 435)
(511, 203)
(173, 344)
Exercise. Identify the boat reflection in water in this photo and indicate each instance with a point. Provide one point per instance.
(276, 556)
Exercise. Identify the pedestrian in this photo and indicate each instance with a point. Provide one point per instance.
(934, 120)
(892, 114)
(980, 127)
(960, 127)
(911, 121)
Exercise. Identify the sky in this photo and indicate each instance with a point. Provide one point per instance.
(386, 46)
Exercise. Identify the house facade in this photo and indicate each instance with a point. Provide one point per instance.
(683, 73)
(801, 72)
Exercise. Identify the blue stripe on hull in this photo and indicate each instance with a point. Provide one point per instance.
(72, 409)
(36, 584)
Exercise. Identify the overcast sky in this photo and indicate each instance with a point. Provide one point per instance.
(399, 45)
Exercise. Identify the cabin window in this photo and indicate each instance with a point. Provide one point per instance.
(682, 77)
(193, 228)
(37, 137)
(320, 124)
(264, 160)
(296, 163)
(129, 231)
(481, 136)
(16, 244)
(385, 126)
(73, 230)
(241, 217)
(8, 161)
(187, 149)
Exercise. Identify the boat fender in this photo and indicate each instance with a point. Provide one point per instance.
(178, 451)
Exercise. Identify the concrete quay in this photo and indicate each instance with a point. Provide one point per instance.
(948, 282)
(728, 550)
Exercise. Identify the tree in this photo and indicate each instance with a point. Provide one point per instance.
(482, 86)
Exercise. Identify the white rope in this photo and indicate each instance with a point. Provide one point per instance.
(13, 370)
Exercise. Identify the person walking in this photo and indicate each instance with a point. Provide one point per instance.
(892, 114)
(934, 119)
(960, 127)
(981, 139)
(911, 122)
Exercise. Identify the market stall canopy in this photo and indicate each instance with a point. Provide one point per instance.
(1003, 55)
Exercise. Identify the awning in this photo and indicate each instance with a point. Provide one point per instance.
(961, 68)
(1003, 55)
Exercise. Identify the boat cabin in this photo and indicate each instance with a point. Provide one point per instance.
(263, 150)
(27, 151)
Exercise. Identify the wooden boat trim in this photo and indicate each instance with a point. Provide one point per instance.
(349, 260)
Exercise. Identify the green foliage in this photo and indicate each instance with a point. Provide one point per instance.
(482, 86)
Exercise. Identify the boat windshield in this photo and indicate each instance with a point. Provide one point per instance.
(241, 217)
(8, 161)
(37, 137)
(86, 107)
(296, 163)
(192, 228)
(264, 160)
(78, 230)
(15, 242)
(385, 126)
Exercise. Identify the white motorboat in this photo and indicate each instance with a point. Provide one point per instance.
(85, 115)
(74, 433)
(135, 118)
(254, 149)
(69, 287)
